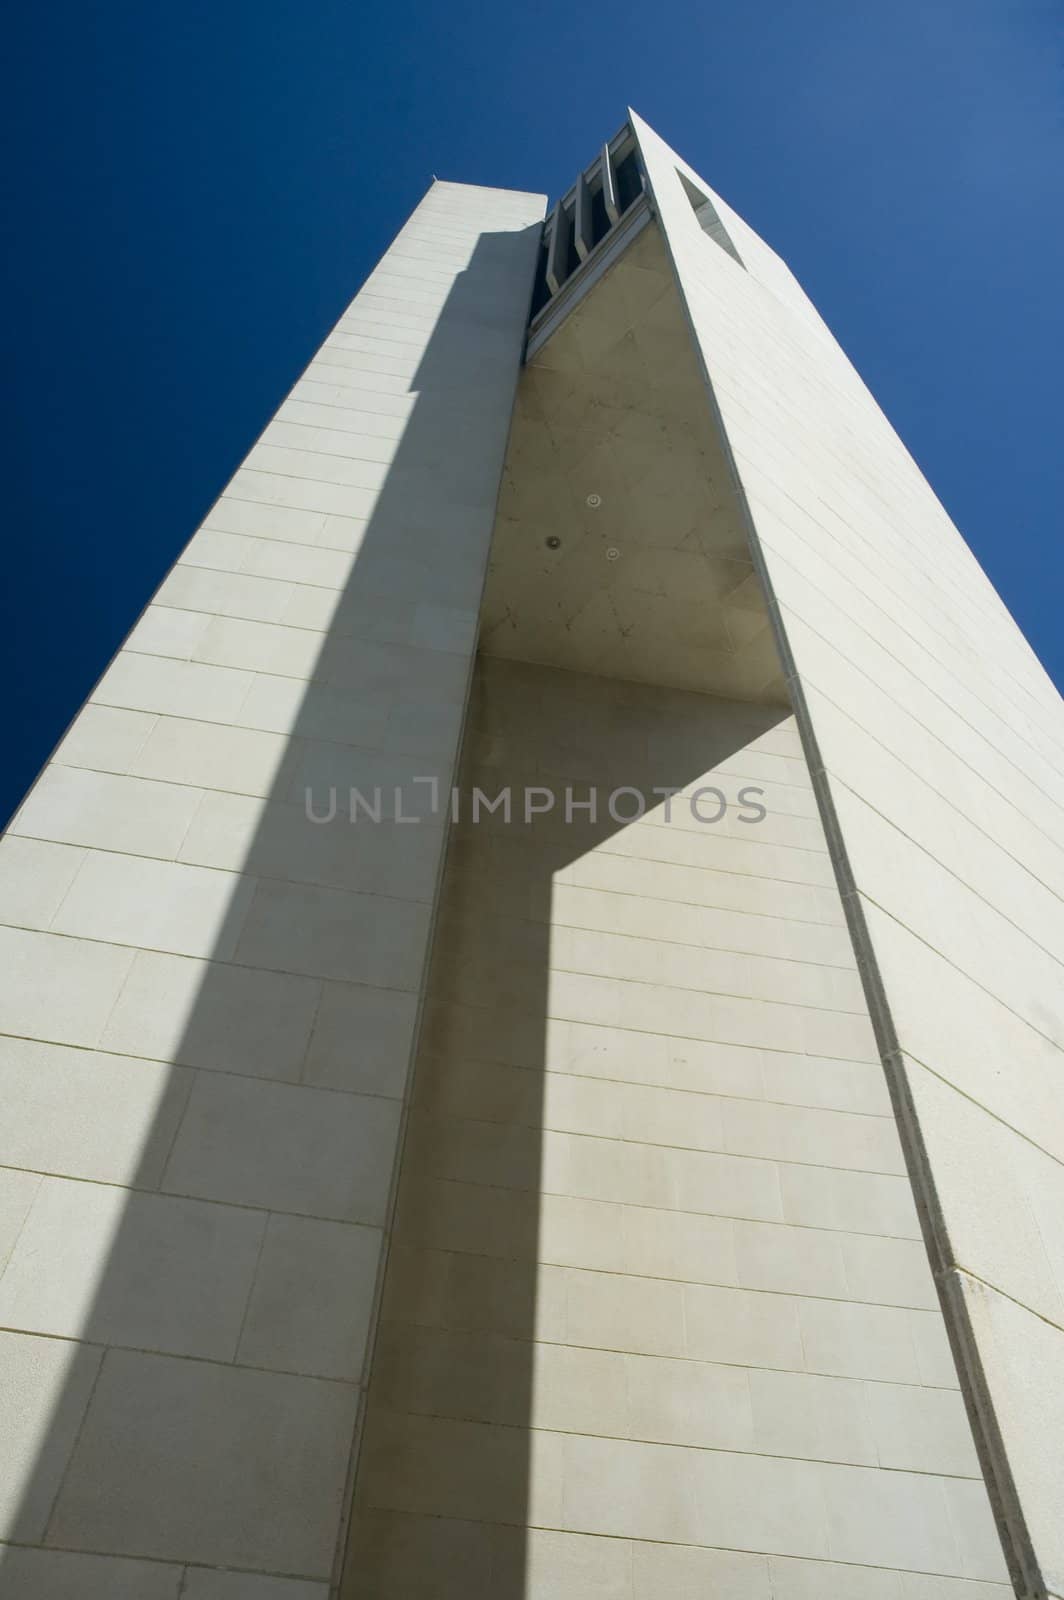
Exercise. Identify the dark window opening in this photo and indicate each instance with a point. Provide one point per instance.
(540, 292)
(629, 180)
(600, 222)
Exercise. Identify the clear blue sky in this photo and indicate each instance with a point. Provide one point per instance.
(196, 189)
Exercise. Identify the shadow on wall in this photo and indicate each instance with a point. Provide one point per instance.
(234, 1296)
(471, 1350)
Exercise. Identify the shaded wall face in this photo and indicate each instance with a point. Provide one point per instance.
(619, 547)
(208, 1001)
(939, 746)
(657, 1318)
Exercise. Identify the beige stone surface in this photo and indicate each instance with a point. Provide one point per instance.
(941, 744)
(28, 1573)
(207, 1001)
(650, 578)
(162, 1461)
(656, 1317)
(653, 1323)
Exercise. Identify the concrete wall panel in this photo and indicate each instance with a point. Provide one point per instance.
(937, 748)
(658, 1318)
(209, 1002)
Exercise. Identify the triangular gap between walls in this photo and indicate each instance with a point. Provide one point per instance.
(708, 220)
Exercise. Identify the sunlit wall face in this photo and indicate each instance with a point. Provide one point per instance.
(936, 740)
(209, 997)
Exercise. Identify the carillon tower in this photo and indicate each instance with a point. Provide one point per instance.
(532, 989)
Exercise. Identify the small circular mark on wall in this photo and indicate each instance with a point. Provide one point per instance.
(612, 553)
(553, 542)
(594, 501)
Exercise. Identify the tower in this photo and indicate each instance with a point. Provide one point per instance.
(531, 1012)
